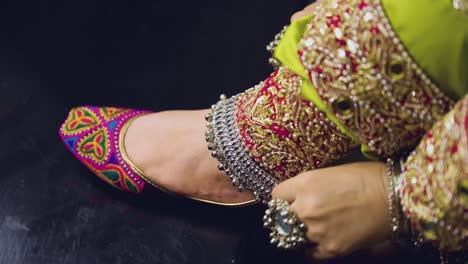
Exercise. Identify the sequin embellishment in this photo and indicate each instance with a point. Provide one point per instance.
(360, 69)
(284, 132)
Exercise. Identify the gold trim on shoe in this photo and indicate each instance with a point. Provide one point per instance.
(139, 172)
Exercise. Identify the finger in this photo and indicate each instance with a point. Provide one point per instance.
(315, 233)
(298, 15)
(286, 190)
(318, 253)
(308, 10)
(310, 7)
(310, 254)
(315, 229)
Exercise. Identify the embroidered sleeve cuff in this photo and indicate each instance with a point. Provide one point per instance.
(434, 191)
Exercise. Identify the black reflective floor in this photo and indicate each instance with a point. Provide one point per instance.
(148, 54)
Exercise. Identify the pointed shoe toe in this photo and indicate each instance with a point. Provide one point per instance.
(95, 137)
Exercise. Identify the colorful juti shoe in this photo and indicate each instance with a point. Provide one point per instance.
(95, 136)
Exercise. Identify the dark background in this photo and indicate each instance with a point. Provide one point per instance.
(149, 54)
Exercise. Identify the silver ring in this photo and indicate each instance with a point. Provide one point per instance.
(286, 230)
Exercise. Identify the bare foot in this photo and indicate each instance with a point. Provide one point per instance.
(170, 148)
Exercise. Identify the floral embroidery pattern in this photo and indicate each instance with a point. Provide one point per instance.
(95, 145)
(362, 72)
(284, 132)
(79, 119)
(434, 191)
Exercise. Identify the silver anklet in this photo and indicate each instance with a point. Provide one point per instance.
(224, 141)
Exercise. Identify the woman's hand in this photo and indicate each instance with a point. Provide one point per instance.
(308, 10)
(345, 207)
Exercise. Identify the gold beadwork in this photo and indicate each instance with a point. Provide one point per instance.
(435, 181)
(285, 133)
(351, 52)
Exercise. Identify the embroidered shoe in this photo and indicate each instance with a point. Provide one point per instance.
(94, 135)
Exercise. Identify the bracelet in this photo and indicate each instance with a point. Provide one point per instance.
(403, 234)
(394, 221)
(224, 141)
